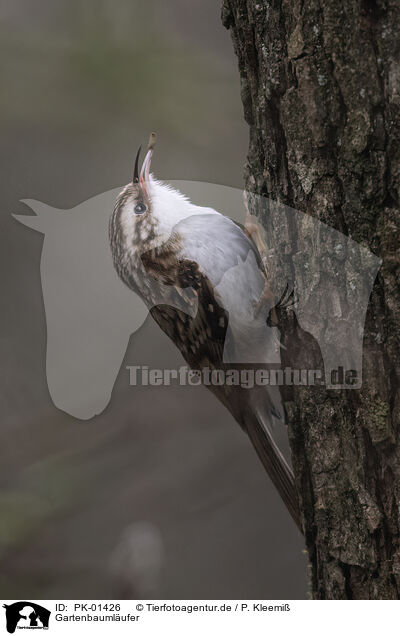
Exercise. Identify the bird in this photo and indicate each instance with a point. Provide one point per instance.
(202, 278)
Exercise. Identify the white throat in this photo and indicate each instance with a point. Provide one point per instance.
(169, 207)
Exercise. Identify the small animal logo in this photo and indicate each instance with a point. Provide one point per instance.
(26, 615)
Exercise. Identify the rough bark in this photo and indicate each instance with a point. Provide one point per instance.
(320, 85)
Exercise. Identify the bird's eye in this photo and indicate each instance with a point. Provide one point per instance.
(140, 208)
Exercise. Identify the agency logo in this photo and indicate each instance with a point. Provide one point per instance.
(91, 314)
(26, 615)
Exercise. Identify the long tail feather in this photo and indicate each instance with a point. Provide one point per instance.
(273, 462)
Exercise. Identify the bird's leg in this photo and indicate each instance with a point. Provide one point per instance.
(252, 230)
(266, 297)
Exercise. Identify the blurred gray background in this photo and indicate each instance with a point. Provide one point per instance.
(162, 494)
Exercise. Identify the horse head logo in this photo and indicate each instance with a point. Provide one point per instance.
(90, 314)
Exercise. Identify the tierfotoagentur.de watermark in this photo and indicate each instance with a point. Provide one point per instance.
(244, 378)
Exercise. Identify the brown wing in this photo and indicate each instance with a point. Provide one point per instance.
(200, 338)
(200, 332)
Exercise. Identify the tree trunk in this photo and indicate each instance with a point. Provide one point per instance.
(320, 85)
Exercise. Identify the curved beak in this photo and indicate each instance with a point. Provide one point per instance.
(136, 169)
(145, 171)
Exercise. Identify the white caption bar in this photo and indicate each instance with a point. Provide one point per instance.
(194, 617)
